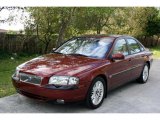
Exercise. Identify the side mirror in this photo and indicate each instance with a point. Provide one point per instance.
(118, 56)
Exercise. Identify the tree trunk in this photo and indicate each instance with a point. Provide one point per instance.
(46, 47)
(61, 34)
(98, 31)
(157, 41)
(146, 41)
(47, 42)
(99, 26)
(64, 24)
(1, 8)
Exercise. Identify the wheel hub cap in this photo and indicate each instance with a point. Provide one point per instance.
(145, 73)
(97, 93)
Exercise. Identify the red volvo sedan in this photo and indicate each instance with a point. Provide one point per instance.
(84, 68)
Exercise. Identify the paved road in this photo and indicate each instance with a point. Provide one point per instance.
(130, 98)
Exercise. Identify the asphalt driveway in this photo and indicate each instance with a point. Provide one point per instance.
(130, 98)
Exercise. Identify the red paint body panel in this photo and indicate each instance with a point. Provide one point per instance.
(86, 69)
(49, 94)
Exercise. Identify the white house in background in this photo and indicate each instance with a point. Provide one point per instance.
(11, 31)
(3, 31)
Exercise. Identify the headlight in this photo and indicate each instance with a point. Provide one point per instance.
(16, 75)
(63, 80)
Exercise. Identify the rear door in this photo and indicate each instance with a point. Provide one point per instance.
(119, 72)
(137, 55)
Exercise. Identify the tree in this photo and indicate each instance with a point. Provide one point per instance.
(43, 24)
(66, 15)
(53, 25)
(132, 21)
(50, 24)
(94, 19)
(153, 23)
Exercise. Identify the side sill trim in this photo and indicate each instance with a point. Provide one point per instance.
(113, 75)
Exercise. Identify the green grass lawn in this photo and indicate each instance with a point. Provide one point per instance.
(7, 68)
(156, 52)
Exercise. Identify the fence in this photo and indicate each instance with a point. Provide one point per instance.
(30, 44)
(151, 41)
(19, 43)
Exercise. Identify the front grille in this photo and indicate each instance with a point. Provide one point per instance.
(30, 78)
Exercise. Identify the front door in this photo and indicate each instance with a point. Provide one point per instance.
(119, 71)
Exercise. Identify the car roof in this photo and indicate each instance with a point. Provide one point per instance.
(104, 35)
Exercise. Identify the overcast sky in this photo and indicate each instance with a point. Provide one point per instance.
(18, 22)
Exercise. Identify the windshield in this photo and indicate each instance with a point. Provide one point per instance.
(90, 47)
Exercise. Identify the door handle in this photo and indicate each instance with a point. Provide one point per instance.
(143, 56)
(129, 59)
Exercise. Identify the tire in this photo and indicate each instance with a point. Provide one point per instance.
(96, 93)
(144, 75)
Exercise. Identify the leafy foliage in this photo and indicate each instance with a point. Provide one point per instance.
(94, 19)
(49, 24)
(53, 25)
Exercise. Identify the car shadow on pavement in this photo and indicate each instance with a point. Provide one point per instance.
(73, 107)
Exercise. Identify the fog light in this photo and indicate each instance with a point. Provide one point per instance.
(60, 101)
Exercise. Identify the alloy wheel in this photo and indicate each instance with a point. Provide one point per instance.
(145, 73)
(97, 93)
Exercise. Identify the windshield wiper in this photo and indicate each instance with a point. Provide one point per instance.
(57, 52)
(78, 54)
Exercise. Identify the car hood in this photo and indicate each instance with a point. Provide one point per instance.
(59, 64)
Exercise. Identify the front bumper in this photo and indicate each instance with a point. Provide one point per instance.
(46, 93)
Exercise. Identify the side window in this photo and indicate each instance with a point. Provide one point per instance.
(133, 46)
(121, 47)
(141, 47)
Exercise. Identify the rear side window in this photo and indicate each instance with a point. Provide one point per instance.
(141, 47)
(133, 46)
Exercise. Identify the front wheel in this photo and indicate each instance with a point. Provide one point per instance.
(144, 75)
(96, 93)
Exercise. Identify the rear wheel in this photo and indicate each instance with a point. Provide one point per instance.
(144, 75)
(96, 93)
